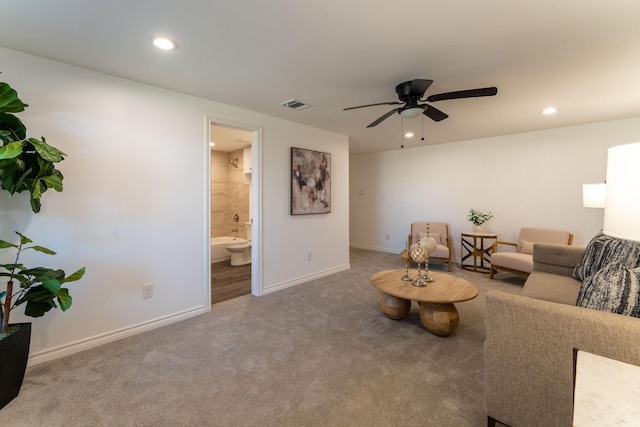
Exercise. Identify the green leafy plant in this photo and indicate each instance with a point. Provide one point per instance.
(478, 218)
(39, 287)
(25, 163)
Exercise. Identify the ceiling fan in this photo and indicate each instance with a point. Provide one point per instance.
(410, 94)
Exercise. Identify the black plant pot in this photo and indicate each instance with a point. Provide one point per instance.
(14, 352)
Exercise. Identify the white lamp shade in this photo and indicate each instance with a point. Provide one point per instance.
(622, 206)
(593, 195)
(411, 113)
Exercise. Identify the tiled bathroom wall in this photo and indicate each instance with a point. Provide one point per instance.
(229, 194)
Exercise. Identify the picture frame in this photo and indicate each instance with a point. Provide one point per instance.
(310, 182)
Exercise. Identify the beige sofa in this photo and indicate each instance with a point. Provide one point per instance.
(530, 340)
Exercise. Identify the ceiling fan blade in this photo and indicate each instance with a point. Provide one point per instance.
(434, 114)
(384, 117)
(419, 87)
(371, 105)
(471, 93)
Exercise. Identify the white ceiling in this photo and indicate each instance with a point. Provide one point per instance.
(581, 56)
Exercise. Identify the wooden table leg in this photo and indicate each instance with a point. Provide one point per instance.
(439, 319)
(394, 307)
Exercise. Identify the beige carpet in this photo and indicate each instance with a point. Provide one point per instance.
(318, 354)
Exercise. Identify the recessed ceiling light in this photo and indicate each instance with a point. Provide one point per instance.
(550, 110)
(165, 43)
(408, 135)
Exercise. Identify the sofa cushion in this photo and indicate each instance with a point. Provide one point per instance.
(603, 250)
(614, 288)
(552, 287)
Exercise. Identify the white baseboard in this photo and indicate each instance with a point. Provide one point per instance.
(454, 259)
(85, 344)
(304, 279)
(376, 248)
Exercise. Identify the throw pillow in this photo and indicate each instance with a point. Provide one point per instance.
(603, 250)
(525, 247)
(614, 288)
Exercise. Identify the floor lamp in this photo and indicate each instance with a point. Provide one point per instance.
(622, 204)
(607, 391)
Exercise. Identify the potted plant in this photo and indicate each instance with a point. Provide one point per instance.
(478, 218)
(25, 163)
(39, 288)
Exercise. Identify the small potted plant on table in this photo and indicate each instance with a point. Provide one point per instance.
(478, 218)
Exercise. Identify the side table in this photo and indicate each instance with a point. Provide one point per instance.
(477, 245)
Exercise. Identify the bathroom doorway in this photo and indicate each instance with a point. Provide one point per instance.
(231, 217)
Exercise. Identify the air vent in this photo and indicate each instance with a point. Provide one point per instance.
(295, 104)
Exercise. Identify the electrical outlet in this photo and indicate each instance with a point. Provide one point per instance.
(147, 290)
(309, 256)
(387, 236)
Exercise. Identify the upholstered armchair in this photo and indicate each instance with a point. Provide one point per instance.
(519, 259)
(439, 231)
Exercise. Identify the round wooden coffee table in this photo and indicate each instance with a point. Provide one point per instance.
(437, 312)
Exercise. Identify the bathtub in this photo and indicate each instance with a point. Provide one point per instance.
(218, 252)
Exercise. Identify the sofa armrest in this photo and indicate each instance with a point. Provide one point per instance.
(557, 259)
(529, 355)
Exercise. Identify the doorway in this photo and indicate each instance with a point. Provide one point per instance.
(233, 214)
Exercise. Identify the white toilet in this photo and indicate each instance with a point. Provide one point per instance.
(241, 249)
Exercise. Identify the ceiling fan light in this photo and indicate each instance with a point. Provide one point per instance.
(411, 113)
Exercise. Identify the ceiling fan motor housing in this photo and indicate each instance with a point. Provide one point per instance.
(406, 94)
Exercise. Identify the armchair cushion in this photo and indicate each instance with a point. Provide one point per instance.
(603, 250)
(441, 252)
(614, 288)
(513, 261)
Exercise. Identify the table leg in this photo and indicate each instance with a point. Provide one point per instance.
(394, 307)
(439, 319)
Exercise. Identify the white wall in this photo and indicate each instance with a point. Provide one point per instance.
(531, 179)
(291, 238)
(133, 209)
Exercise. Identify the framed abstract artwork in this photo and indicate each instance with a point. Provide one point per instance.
(310, 182)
